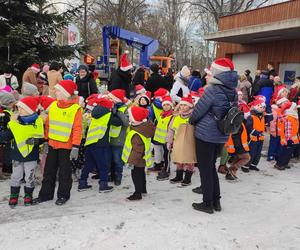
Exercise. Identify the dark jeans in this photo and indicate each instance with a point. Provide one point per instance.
(255, 152)
(296, 152)
(57, 160)
(95, 157)
(286, 154)
(166, 166)
(207, 154)
(7, 158)
(116, 152)
(138, 176)
(274, 147)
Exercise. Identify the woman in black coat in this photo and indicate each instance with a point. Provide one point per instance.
(85, 82)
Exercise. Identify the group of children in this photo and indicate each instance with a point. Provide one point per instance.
(108, 129)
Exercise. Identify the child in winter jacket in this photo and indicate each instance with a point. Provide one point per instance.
(289, 136)
(275, 126)
(185, 109)
(255, 127)
(7, 102)
(97, 145)
(137, 149)
(64, 132)
(156, 107)
(26, 131)
(118, 133)
(162, 155)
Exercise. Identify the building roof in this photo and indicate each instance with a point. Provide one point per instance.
(278, 30)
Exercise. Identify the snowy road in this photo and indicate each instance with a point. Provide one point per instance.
(260, 211)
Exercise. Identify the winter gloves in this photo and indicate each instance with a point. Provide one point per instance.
(74, 153)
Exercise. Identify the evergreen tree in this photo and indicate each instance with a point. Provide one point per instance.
(28, 33)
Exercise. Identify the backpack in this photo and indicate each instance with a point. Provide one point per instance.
(232, 121)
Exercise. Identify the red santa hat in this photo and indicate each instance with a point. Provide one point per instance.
(117, 95)
(67, 87)
(256, 103)
(35, 67)
(221, 65)
(167, 100)
(29, 104)
(139, 89)
(138, 115)
(195, 96)
(126, 101)
(106, 103)
(161, 92)
(188, 100)
(91, 102)
(45, 102)
(281, 90)
(201, 91)
(260, 97)
(125, 65)
(281, 100)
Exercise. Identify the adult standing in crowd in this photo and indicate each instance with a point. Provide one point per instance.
(155, 80)
(247, 73)
(86, 84)
(54, 77)
(195, 81)
(121, 77)
(169, 78)
(209, 140)
(139, 76)
(180, 87)
(245, 87)
(7, 78)
(271, 69)
(295, 90)
(30, 75)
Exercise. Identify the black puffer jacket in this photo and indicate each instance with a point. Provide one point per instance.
(120, 80)
(86, 86)
(155, 82)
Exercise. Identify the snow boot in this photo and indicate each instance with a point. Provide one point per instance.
(206, 207)
(245, 169)
(61, 201)
(134, 197)
(104, 188)
(14, 196)
(187, 178)
(163, 175)
(279, 167)
(198, 190)
(217, 205)
(84, 187)
(252, 167)
(178, 177)
(157, 167)
(222, 169)
(230, 176)
(28, 196)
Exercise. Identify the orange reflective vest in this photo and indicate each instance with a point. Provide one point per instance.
(258, 125)
(294, 133)
(244, 139)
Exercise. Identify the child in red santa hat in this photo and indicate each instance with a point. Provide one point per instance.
(27, 133)
(181, 116)
(137, 149)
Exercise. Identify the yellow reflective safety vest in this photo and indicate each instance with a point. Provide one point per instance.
(23, 132)
(97, 129)
(61, 121)
(156, 111)
(128, 147)
(178, 120)
(114, 131)
(162, 129)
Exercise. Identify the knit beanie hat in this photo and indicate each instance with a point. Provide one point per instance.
(6, 99)
(29, 89)
(67, 87)
(139, 89)
(29, 104)
(68, 76)
(83, 67)
(167, 100)
(117, 95)
(125, 65)
(188, 100)
(35, 67)
(161, 92)
(138, 115)
(45, 102)
(185, 72)
(221, 65)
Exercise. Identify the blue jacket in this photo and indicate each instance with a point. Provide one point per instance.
(212, 104)
(194, 83)
(157, 103)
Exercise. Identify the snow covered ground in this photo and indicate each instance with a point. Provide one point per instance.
(260, 211)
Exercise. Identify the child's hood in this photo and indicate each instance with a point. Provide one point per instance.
(147, 129)
(157, 103)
